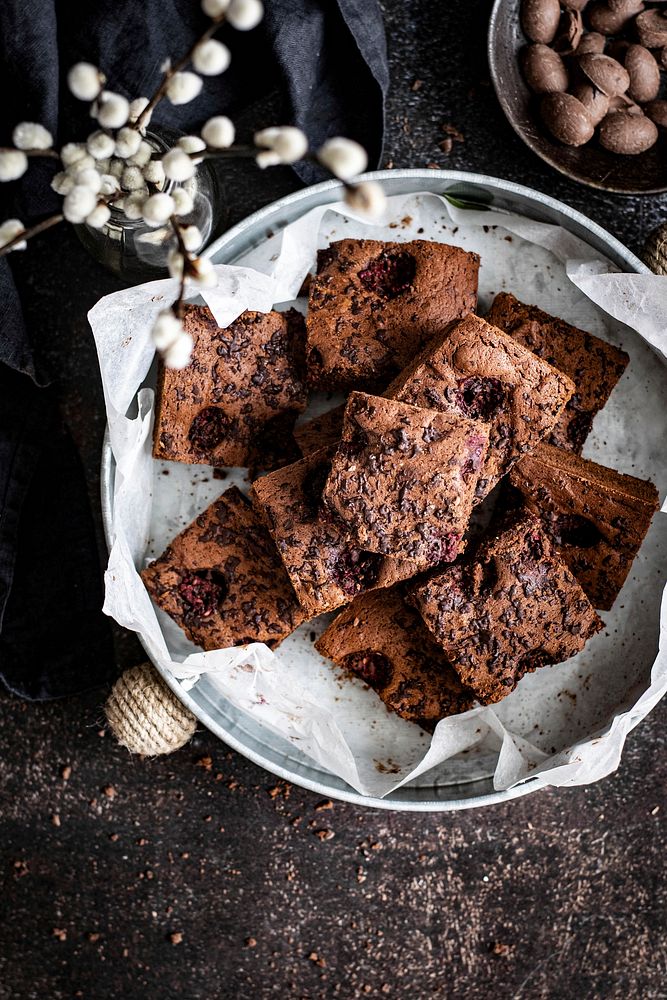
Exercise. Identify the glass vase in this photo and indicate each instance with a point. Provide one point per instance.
(138, 252)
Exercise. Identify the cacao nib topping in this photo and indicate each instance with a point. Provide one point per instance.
(480, 398)
(572, 529)
(390, 274)
(534, 546)
(533, 660)
(208, 429)
(355, 570)
(202, 593)
(375, 668)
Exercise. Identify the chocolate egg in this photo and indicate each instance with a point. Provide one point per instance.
(605, 73)
(592, 41)
(595, 102)
(644, 74)
(609, 19)
(567, 119)
(652, 29)
(543, 69)
(657, 112)
(627, 133)
(539, 19)
(570, 32)
(620, 102)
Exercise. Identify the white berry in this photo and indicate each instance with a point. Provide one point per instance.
(62, 183)
(180, 352)
(31, 135)
(343, 157)
(98, 217)
(128, 141)
(280, 144)
(192, 238)
(367, 198)
(112, 109)
(131, 179)
(158, 208)
(183, 203)
(203, 272)
(100, 145)
(167, 329)
(85, 81)
(214, 8)
(211, 57)
(13, 164)
(9, 230)
(79, 203)
(183, 87)
(177, 165)
(245, 14)
(218, 132)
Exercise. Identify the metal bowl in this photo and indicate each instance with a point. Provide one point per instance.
(589, 164)
(236, 728)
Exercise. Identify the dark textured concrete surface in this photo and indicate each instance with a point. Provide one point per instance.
(200, 876)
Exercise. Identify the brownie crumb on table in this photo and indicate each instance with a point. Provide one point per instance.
(512, 608)
(593, 365)
(477, 370)
(374, 305)
(221, 579)
(596, 518)
(326, 567)
(235, 404)
(385, 643)
(403, 478)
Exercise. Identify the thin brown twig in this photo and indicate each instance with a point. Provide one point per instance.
(27, 234)
(229, 153)
(31, 152)
(161, 89)
(177, 306)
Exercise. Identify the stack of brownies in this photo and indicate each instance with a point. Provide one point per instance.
(374, 518)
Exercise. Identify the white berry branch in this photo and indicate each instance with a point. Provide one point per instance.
(118, 168)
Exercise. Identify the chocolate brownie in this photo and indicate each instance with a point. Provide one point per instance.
(383, 641)
(237, 400)
(595, 517)
(477, 370)
(374, 305)
(593, 365)
(403, 479)
(221, 579)
(326, 567)
(320, 432)
(511, 609)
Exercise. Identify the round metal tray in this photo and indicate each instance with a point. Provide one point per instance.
(236, 728)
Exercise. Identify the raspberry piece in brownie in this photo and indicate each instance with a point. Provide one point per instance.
(593, 365)
(403, 479)
(374, 305)
(221, 579)
(383, 641)
(326, 567)
(237, 400)
(511, 609)
(596, 517)
(320, 432)
(477, 370)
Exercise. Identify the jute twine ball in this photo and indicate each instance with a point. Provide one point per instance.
(145, 715)
(655, 250)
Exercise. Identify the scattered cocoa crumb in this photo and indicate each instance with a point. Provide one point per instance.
(176, 937)
(508, 239)
(446, 145)
(389, 165)
(55, 819)
(433, 165)
(66, 773)
(325, 834)
(60, 933)
(93, 936)
(324, 804)
(250, 942)
(416, 85)
(452, 131)
(141, 842)
(314, 957)
(205, 762)
(502, 950)
(109, 791)
(185, 855)
(313, 636)
(114, 836)
(219, 473)
(207, 819)
(361, 875)
(21, 868)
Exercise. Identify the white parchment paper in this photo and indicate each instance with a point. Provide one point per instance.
(564, 725)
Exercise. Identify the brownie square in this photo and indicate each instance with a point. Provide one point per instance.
(477, 370)
(403, 479)
(221, 579)
(513, 608)
(326, 567)
(237, 400)
(595, 517)
(373, 306)
(383, 641)
(320, 432)
(593, 365)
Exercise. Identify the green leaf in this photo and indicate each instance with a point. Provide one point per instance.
(477, 206)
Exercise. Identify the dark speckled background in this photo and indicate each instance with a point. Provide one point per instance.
(199, 876)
